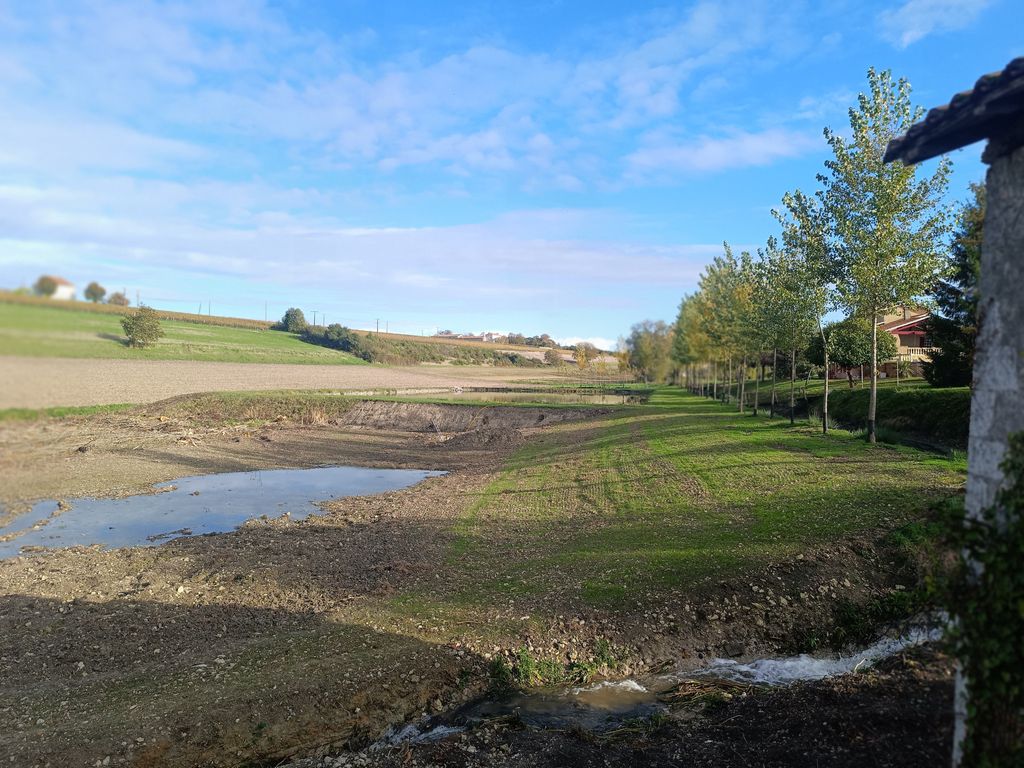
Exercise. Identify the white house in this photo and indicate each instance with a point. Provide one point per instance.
(65, 290)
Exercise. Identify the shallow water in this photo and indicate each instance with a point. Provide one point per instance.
(609, 704)
(196, 505)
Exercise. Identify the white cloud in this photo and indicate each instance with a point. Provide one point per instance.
(598, 341)
(664, 154)
(916, 19)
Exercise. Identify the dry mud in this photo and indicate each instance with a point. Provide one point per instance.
(41, 382)
(290, 639)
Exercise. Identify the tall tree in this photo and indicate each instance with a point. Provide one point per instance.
(792, 304)
(886, 222)
(953, 328)
(804, 233)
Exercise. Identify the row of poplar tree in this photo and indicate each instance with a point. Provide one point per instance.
(873, 236)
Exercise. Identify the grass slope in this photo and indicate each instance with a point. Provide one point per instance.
(42, 331)
(659, 499)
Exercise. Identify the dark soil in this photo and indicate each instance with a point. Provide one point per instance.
(899, 714)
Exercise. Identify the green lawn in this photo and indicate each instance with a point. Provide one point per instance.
(664, 496)
(52, 332)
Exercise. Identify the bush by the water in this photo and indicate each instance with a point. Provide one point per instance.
(142, 327)
(942, 415)
(378, 349)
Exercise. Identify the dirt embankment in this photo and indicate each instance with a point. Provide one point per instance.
(292, 638)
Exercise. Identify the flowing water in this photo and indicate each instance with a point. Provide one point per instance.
(194, 506)
(609, 704)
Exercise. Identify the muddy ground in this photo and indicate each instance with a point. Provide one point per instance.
(41, 382)
(292, 639)
(898, 714)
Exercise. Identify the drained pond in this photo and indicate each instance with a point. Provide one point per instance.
(193, 506)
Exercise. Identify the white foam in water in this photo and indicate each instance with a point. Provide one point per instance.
(632, 686)
(414, 734)
(797, 668)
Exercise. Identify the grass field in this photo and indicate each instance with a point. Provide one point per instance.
(663, 497)
(42, 331)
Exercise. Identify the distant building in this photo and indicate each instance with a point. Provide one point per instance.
(907, 326)
(65, 290)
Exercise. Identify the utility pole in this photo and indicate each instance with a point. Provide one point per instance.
(137, 302)
(314, 317)
(378, 326)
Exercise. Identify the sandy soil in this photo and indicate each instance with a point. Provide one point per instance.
(41, 382)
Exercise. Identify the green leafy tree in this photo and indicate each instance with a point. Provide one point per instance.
(886, 223)
(45, 286)
(95, 292)
(649, 348)
(953, 328)
(792, 305)
(849, 345)
(804, 228)
(118, 299)
(142, 327)
(293, 321)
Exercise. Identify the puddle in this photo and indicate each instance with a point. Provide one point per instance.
(193, 506)
(599, 707)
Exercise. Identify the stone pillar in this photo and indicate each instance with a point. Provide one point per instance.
(997, 400)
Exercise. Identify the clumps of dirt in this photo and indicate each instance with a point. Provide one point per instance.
(445, 418)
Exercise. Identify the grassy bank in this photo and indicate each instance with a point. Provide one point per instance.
(37, 330)
(910, 409)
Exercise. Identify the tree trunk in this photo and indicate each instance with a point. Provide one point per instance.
(743, 384)
(792, 386)
(775, 367)
(849, 376)
(873, 397)
(758, 375)
(824, 402)
(714, 387)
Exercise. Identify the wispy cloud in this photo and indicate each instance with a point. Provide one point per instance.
(916, 19)
(664, 155)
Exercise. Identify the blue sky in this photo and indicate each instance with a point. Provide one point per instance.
(560, 167)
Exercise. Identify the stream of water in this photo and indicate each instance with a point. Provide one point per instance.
(609, 704)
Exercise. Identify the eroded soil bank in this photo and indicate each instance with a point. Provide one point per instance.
(295, 639)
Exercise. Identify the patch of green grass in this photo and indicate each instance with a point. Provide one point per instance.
(664, 496)
(41, 331)
(60, 412)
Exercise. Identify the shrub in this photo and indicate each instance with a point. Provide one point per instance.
(118, 299)
(142, 327)
(553, 357)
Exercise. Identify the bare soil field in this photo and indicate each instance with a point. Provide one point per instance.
(27, 382)
(301, 639)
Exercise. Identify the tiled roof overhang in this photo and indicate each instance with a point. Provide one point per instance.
(995, 106)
